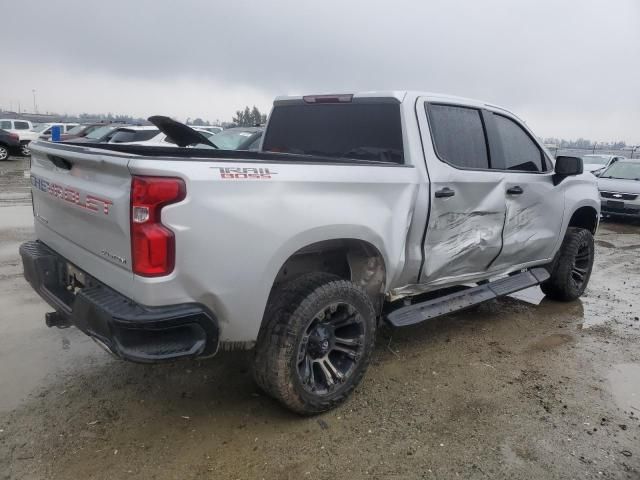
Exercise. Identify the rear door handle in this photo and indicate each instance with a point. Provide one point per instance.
(517, 190)
(445, 192)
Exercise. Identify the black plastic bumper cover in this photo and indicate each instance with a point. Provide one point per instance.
(129, 330)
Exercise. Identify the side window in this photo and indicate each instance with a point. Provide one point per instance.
(5, 125)
(519, 150)
(21, 125)
(458, 135)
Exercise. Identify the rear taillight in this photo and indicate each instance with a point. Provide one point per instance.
(14, 136)
(153, 246)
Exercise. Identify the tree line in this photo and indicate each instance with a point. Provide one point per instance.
(584, 143)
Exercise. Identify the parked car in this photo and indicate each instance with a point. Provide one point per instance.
(44, 129)
(619, 187)
(99, 135)
(147, 135)
(134, 134)
(209, 128)
(238, 138)
(355, 206)
(81, 131)
(9, 144)
(597, 163)
(22, 128)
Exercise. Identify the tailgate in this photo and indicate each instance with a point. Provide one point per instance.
(83, 197)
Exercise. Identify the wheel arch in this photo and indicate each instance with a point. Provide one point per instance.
(354, 259)
(584, 217)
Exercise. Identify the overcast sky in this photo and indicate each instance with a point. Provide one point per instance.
(570, 68)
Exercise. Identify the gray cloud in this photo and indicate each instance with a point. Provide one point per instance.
(568, 67)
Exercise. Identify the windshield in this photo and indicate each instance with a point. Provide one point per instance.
(99, 133)
(623, 171)
(76, 129)
(230, 139)
(595, 159)
(359, 131)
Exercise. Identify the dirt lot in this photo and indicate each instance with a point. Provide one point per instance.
(513, 389)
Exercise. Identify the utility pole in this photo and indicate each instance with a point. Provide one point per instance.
(35, 108)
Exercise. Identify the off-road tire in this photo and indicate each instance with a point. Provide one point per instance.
(290, 311)
(571, 270)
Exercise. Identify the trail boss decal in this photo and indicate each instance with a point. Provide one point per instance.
(69, 195)
(233, 173)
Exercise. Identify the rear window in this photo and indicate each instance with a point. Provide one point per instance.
(124, 136)
(354, 131)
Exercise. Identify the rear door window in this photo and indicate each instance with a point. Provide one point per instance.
(520, 152)
(458, 135)
(5, 125)
(21, 125)
(358, 131)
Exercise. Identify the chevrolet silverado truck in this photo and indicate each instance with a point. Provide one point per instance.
(358, 209)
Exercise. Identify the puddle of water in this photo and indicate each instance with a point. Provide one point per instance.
(625, 386)
(550, 342)
(32, 355)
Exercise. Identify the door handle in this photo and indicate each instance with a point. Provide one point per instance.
(445, 192)
(517, 190)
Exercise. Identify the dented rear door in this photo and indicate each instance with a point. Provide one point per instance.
(467, 213)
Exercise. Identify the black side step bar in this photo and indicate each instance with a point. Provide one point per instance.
(419, 312)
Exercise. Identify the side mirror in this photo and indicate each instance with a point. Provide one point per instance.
(566, 167)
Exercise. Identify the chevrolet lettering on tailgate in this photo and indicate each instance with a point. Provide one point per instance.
(62, 192)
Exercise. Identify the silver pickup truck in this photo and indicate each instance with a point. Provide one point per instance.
(358, 209)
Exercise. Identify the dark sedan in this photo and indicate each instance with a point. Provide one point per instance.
(9, 144)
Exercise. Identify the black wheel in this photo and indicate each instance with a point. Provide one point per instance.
(572, 268)
(4, 153)
(316, 342)
(25, 150)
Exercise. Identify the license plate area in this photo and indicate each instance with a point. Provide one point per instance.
(74, 279)
(615, 204)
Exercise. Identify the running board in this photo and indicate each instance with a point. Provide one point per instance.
(419, 312)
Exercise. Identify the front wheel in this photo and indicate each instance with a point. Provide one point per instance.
(316, 342)
(4, 152)
(572, 269)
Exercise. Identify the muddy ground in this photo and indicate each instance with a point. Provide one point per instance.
(512, 389)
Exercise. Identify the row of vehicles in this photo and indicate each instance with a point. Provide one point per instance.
(238, 138)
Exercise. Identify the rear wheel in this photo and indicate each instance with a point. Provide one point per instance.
(25, 150)
(316, 343)
(572, 269)
(4, 152)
